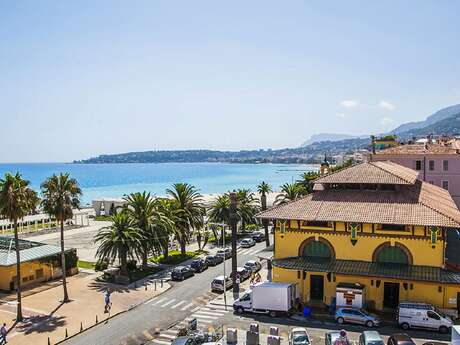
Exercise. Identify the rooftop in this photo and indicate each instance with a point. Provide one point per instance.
(372, 173)
(29, 250)
(418, 203)
(370, 269)
(446, 148)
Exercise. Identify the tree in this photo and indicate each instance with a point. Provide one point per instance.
(247, 206)
(264, 188)
(141, 209)
(189, 210)
(163, 224)
(202, 236)
(289, 192)
(306, 180)
(219, 211)
(61, 195)
(16, 201)
(119, 240)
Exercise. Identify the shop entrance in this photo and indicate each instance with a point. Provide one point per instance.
(316, 287)
(390, 295)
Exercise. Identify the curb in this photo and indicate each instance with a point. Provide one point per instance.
(108, 318)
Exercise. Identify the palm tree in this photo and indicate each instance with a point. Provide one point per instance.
(16, 200)
(306, 180)
(163, 224)
(264, 188)
(141, 208)
(119, 240)
(219, 212)
(247, 206)
(289, 192)
(188, 204)
(61, 194)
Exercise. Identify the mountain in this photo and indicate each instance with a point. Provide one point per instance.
(430, 120)
(327, 137)
(447, 126)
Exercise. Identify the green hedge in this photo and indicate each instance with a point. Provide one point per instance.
(174, 257)
(86, 264)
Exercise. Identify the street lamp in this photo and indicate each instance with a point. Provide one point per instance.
(223, 225)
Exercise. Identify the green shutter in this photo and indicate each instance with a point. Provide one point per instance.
(317, 249)
(392, 255)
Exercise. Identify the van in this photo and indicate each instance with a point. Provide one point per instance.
(218, 284)
(422, 315)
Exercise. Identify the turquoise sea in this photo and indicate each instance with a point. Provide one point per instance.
(115, 180)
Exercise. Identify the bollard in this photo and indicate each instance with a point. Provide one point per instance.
(49, 341)
(81, 326)
(145, 286)
(161, 282)
(66, 334)
(135, 284)
(96, 319)
(155, 285)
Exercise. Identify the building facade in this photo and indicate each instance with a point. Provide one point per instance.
(39, 263)
(374, 226)
(436, 162)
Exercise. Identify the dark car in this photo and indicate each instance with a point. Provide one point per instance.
(199, 265)
(258, 236)
(242, 272)
(400, 339)
(213, 260)
(187, 340)
(182, 272)
(225, 253)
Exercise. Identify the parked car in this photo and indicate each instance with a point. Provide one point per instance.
(243, 272)
(422, 315)
(213, 260)
(199, 265)
(400, 339)
(331, 337)
(186, 340)
(182, 272)
(258, 236)
(217, 284)
(370, 338)
(247, 243)
(299, 336)
(253, 266)
(225, 253)
(354, 315)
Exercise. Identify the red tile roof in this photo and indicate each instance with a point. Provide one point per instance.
(418, 149)
(372, 173)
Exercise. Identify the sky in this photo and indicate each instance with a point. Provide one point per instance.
(83, 78)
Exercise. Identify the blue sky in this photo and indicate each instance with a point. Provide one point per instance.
(82, 78)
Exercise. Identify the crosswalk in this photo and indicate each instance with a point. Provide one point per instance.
(248, 251)
(181, 304)
(206, 316)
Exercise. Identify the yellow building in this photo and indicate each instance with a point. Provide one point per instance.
(373, 226)
(39, 262)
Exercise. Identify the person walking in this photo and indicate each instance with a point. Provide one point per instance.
(3, 333)
(108, 304)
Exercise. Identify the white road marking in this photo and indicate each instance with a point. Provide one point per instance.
(162, 342)
(198, 315)
(160, 301)
(178, 304)
(168, 336)
(244, 251)
(195, 309)
(152, 300)
(203, 320)
(171, 331)
(187, 306)
(209, 313)
(168, 303)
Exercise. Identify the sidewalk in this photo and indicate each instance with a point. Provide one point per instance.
(45, 316)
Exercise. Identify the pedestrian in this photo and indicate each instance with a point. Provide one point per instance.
(108, 304)
(342, 339)
(252, 278)
(3, 333)
(258, 278)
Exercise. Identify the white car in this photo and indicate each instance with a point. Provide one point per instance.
(253, 266)
(218, 284)
(299, 336)
(247, 243)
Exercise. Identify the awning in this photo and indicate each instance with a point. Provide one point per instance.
(369, 269)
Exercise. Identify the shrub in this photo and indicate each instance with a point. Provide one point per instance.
(252, 227)
(174, 257)
(131, 265)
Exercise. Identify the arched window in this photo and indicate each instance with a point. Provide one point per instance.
(317, 249)
(395, 255)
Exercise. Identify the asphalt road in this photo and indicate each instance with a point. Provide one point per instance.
(141, 323)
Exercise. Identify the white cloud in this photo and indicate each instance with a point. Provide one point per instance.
(349, 103)
(384, 121)
(386, 105)
(341, 115)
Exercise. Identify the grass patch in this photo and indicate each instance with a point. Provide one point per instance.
(139, 274)
(102, 218)
(86, 264)
(174, 257)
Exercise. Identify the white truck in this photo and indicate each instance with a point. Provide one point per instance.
(268, 298)
(422, 315)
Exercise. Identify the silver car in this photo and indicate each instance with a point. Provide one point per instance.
(355, 315)
(299, 336)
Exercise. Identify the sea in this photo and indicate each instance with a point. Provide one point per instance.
(117, 180)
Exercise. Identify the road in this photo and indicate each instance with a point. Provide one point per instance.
(181, 301)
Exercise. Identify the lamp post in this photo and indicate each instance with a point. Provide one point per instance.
(223, 225)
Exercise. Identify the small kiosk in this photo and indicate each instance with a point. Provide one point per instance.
(350, 295)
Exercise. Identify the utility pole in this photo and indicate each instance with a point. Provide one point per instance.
(263, 200)
(233, 225)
